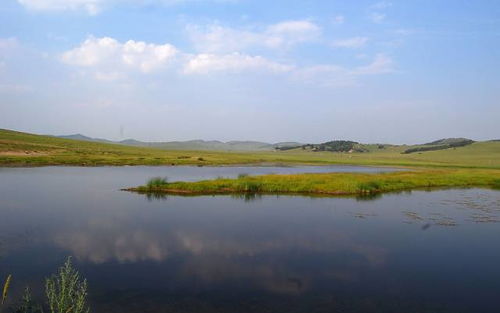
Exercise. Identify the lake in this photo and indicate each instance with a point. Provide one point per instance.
(420, 251)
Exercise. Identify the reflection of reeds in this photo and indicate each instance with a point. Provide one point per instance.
(6, 288)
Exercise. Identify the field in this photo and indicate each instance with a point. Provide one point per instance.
(22, 149)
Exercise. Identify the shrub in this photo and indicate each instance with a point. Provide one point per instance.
(66, 291)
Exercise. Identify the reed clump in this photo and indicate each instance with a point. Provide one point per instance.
(156, 182)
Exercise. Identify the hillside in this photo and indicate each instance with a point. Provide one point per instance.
(441, 144)
(211, 145)
(337, 146)
(23, 149)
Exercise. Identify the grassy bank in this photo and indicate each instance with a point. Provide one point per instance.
(22, 149)
(331, 183)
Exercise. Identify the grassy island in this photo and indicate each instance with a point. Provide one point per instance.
(330, 183)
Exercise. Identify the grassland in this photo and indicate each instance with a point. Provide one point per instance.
(477, 164)
(22, 149)
(331, 183)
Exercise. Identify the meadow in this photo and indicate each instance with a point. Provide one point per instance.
(23, 149)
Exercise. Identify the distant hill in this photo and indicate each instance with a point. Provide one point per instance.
(213, 145)
(331, 146)
(448, 141)
(440, 144)
(336, 146)
(84, 138)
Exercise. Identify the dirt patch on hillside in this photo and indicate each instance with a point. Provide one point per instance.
(23, 153)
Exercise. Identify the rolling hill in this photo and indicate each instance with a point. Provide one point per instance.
(24, 149)
(211, 145)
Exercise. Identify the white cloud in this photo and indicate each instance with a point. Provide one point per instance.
(108, 60)
(325, 76)
(382, 64)
(381, 5)
(216, 38)
(234, 62)
(377, 17)
(91, 6)
(14, 88)
(7, 45)
(404, 31)
(328, 75)
(339, 19)
(94, 7)
(354, 42)
(111, 57)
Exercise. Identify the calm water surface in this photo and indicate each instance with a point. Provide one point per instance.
(410, 252)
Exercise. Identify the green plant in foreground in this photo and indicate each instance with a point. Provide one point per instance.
(66, 291)
(6, 288)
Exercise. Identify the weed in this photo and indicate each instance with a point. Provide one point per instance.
(66, 291)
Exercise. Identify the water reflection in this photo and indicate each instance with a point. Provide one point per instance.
(252, 253)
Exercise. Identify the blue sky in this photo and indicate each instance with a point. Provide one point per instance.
(310, 71)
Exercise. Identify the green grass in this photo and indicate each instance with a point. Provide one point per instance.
(22, 149)
(335, 183)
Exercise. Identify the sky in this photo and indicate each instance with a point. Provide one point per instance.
(407, 71)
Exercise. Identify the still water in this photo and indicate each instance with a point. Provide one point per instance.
(424, 251)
